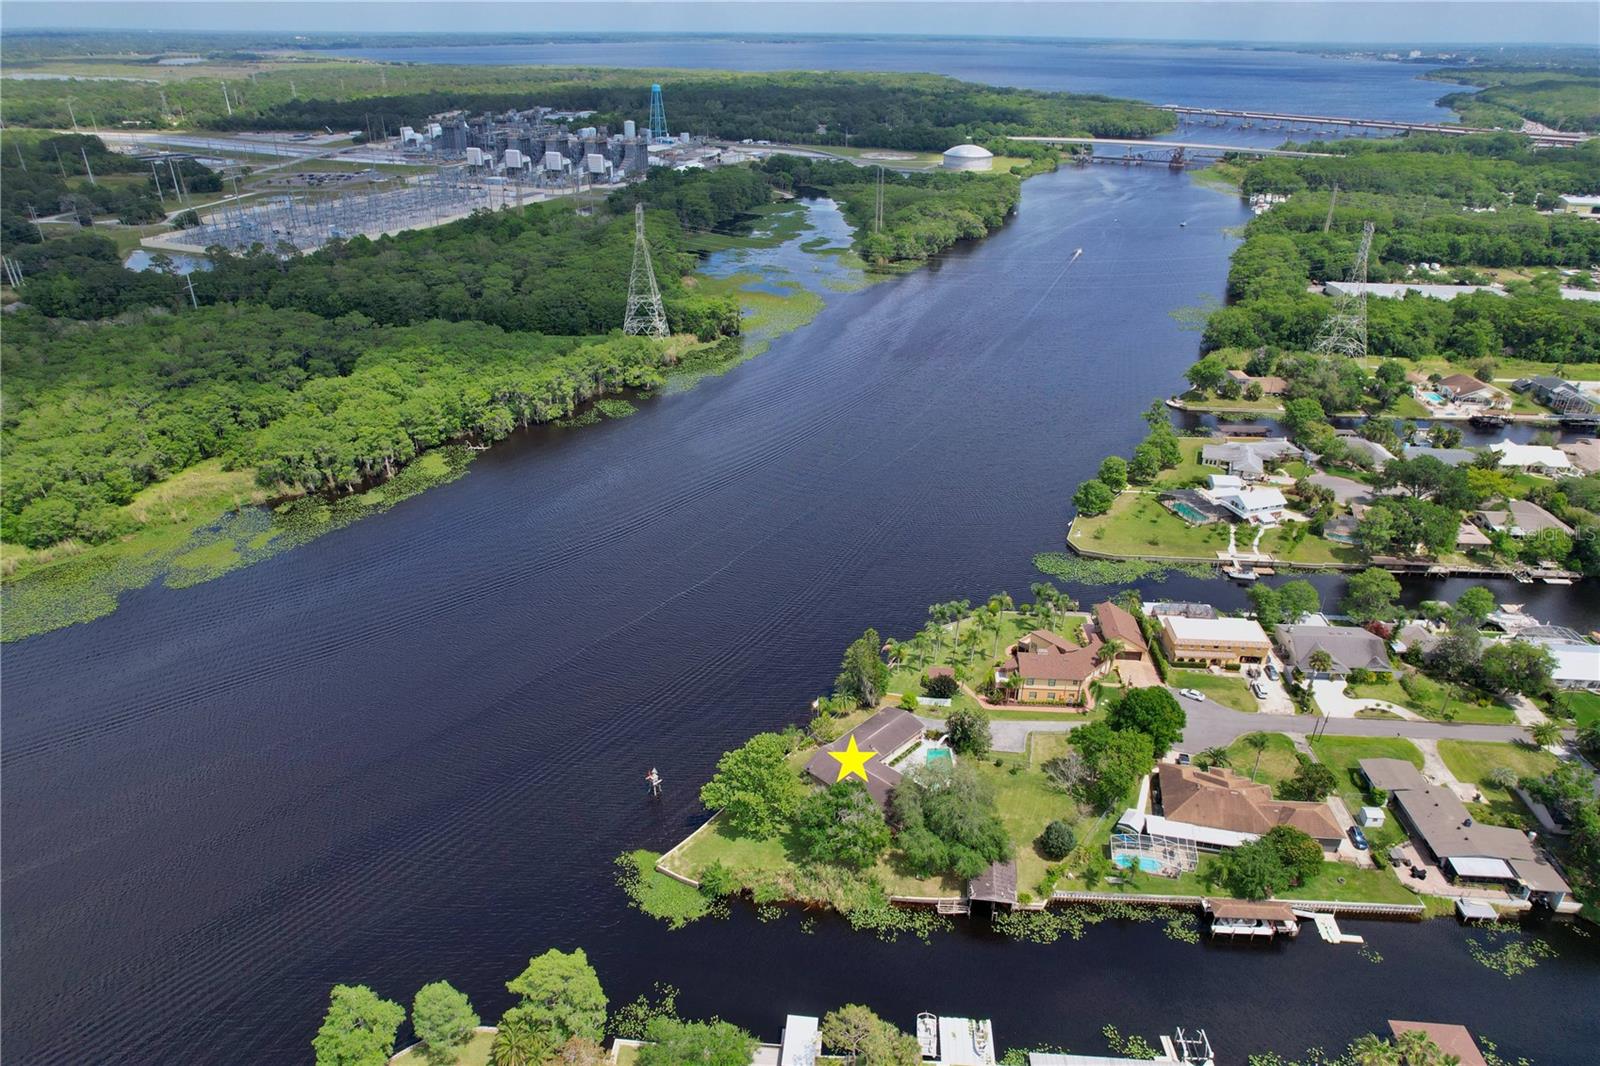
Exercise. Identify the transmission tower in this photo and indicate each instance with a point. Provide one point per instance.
(1345, 331)
(658, 116)
(645, 315)
(1334, 199)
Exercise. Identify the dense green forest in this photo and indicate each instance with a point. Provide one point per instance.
(44, 174)
(1562, 100)
(323, 371)
(1466, 203)
(920, 112)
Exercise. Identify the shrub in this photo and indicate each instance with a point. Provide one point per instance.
(1057, 840)
(940, 687)
(968, 733)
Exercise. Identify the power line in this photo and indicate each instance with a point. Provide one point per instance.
(645, 315)
(1345, 331)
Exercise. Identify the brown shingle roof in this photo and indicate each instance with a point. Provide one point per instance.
(1465, 384)
(886, 733)
(1117, 623)
(997, 884)
(1450, 1039)
(1056, 660)
(1244, 909)
(1221, 799)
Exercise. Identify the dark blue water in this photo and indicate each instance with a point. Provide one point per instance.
(410, 750)
(1197, 76)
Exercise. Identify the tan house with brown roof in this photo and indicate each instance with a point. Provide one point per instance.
(1047, 668)
(1464, 388)
(1220, 799)
(1271, 384)
(1114, 623)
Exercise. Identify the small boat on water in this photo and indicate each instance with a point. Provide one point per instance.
(1075, 256)
(1240, 573)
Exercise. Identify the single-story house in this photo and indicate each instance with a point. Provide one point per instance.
(1220, 799)
(888, 734)
(1464, 848)
(1263, 506)
(1520, 518)
(1348, 647)
(1248, 459)
(1223, 641)
(1271, 384)
(1577, 664)
(1114, 623)
(1049, 669)
(1533, 458)
(1464, 388)
(1470, 537)
(1584, 453)
(1370, 450)
(1416, 635)
(1447, 456)
(1572, 203)
(1561, 396)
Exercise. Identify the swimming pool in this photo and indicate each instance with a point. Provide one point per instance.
(1188, 513)
(1434, 398)
(1146, 863)
(934, 755)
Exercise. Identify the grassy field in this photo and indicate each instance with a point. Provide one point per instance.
(1277, 759)
(1137, 525)
(1335, 880)
(474, 1053)
(1230, 690)
(1441, 701)
(1027, 804)
(1471, 761)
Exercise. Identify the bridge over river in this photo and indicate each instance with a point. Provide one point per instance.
(1539, 136)
(1175, 152)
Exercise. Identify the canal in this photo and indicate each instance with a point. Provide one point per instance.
(410, 750)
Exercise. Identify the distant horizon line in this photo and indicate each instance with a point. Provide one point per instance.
(80, 30)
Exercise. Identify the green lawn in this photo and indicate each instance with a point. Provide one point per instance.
(1026, 806)
(1472, 760)
(1335, 881)
(975, 653)
(1439, 700)
(1230, 690)
(1190, 471)
(1342, 754)
(1584, 707)
(1294, 542)
(1277, 759)
(474, 1053)
(1137, 525)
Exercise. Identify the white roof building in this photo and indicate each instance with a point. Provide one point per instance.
(1392, 290)
(801, 1044)
(1577, 665)
(1217, 630)
(1264, 505)
(1531, 456)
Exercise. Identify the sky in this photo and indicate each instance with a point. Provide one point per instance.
(1309, 21)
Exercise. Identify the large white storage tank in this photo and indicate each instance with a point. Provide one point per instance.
(630, 129)
(967, 157)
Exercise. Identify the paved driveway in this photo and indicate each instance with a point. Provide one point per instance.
(1344, 489)
(1330, 696)
(1211, 724)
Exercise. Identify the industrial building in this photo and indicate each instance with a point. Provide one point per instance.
(968, 157)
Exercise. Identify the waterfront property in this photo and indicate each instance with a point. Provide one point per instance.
(947, 1041)
(1466, 389)
(888, 734)
(1532, 458)
(1346, 648)
(1220, 641)
(1559, 395)
(1467, 851)
(1114, 623)
(1046, 668)
(1217, 808)
(1265, 919)
(1519, 518)
(1259, 506)
(1271, 384)
(1453, 1040)
(1248, 459)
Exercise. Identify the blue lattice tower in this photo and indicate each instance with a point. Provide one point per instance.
(658, 115)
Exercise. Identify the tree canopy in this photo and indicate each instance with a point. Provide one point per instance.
(359, 1028)
(755, 787)
(559, 997)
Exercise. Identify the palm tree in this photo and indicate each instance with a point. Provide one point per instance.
(959, 609)
(1256, 742)
(941, 615)
(998, 604)
(1213, 757)
(517, 1044)
(1544, 734)
(1109, 651)
(1372, 1050)
(900, 653)
(1321, 662)
(1045, 596)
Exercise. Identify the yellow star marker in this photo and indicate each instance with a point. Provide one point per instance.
(852, 760)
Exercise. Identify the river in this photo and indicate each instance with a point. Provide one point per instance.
(410, 750)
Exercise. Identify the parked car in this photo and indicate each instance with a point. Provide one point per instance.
(1259, 689)
(1191, 694)
(1272, 671)
(1183, 758)
(1358, 838)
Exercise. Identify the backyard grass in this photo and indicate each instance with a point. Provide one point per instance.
(1439, 700)
(1584, 707)
(1230, 690)
(1342, 754)
(1027, 804)
(1334, 881)
(1294, 542)
(1138, 526)
(1277, 759)
(474, 1053)
(1190, 471)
